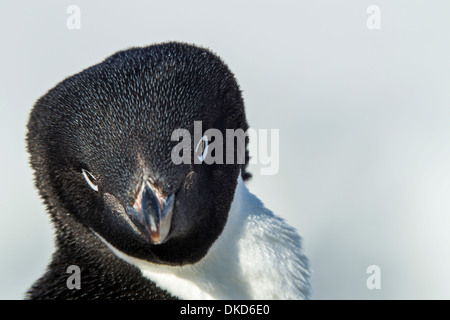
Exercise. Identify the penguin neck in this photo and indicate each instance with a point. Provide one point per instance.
(243, 263)
(102, 274)
(211, 277)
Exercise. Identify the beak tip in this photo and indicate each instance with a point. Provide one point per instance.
(155, 237)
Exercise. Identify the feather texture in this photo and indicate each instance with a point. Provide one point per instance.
(257, 256)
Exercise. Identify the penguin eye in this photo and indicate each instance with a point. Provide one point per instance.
(203, 146)
(90, 179)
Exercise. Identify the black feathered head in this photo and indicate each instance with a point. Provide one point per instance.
(101, 143)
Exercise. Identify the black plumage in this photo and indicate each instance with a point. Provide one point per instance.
(115, 120)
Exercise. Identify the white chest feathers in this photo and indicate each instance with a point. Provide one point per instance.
(257, 256)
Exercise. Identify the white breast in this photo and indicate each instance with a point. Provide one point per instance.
(257, 256)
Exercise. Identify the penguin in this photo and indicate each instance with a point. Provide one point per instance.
(137, 225)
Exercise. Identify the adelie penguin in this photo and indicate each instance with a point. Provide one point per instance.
(136, 224)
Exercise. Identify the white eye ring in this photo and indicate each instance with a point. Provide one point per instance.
(204, 139)
(90, 179)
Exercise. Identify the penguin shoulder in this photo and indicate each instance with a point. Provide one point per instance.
(270, 251)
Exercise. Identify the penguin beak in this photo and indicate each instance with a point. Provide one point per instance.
(151, 213)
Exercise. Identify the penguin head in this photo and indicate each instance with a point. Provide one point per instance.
(101, 145)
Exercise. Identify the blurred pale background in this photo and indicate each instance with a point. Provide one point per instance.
(363, 118)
